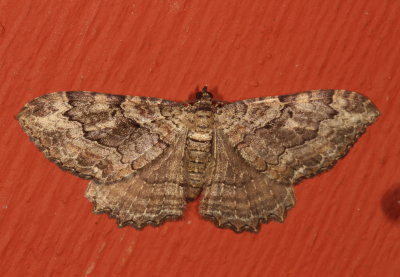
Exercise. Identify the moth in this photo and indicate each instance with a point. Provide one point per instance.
(146, 157)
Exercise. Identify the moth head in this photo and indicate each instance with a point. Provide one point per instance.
(204, 94)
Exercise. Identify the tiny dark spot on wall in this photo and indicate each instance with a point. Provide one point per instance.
(391, 203)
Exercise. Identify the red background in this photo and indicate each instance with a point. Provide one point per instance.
(346, 221)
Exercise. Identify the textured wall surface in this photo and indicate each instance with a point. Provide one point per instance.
(346, 221)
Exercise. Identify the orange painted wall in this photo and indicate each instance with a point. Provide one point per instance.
(346, 222)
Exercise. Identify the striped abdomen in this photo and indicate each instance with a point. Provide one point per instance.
(198, 149)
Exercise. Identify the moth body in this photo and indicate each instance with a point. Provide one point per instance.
(198, 149)
(146, 157)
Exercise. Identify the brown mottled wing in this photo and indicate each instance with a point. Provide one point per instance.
(151, 197)
(130, 147)
(99, 136)
(283, 139)
(240, 197)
